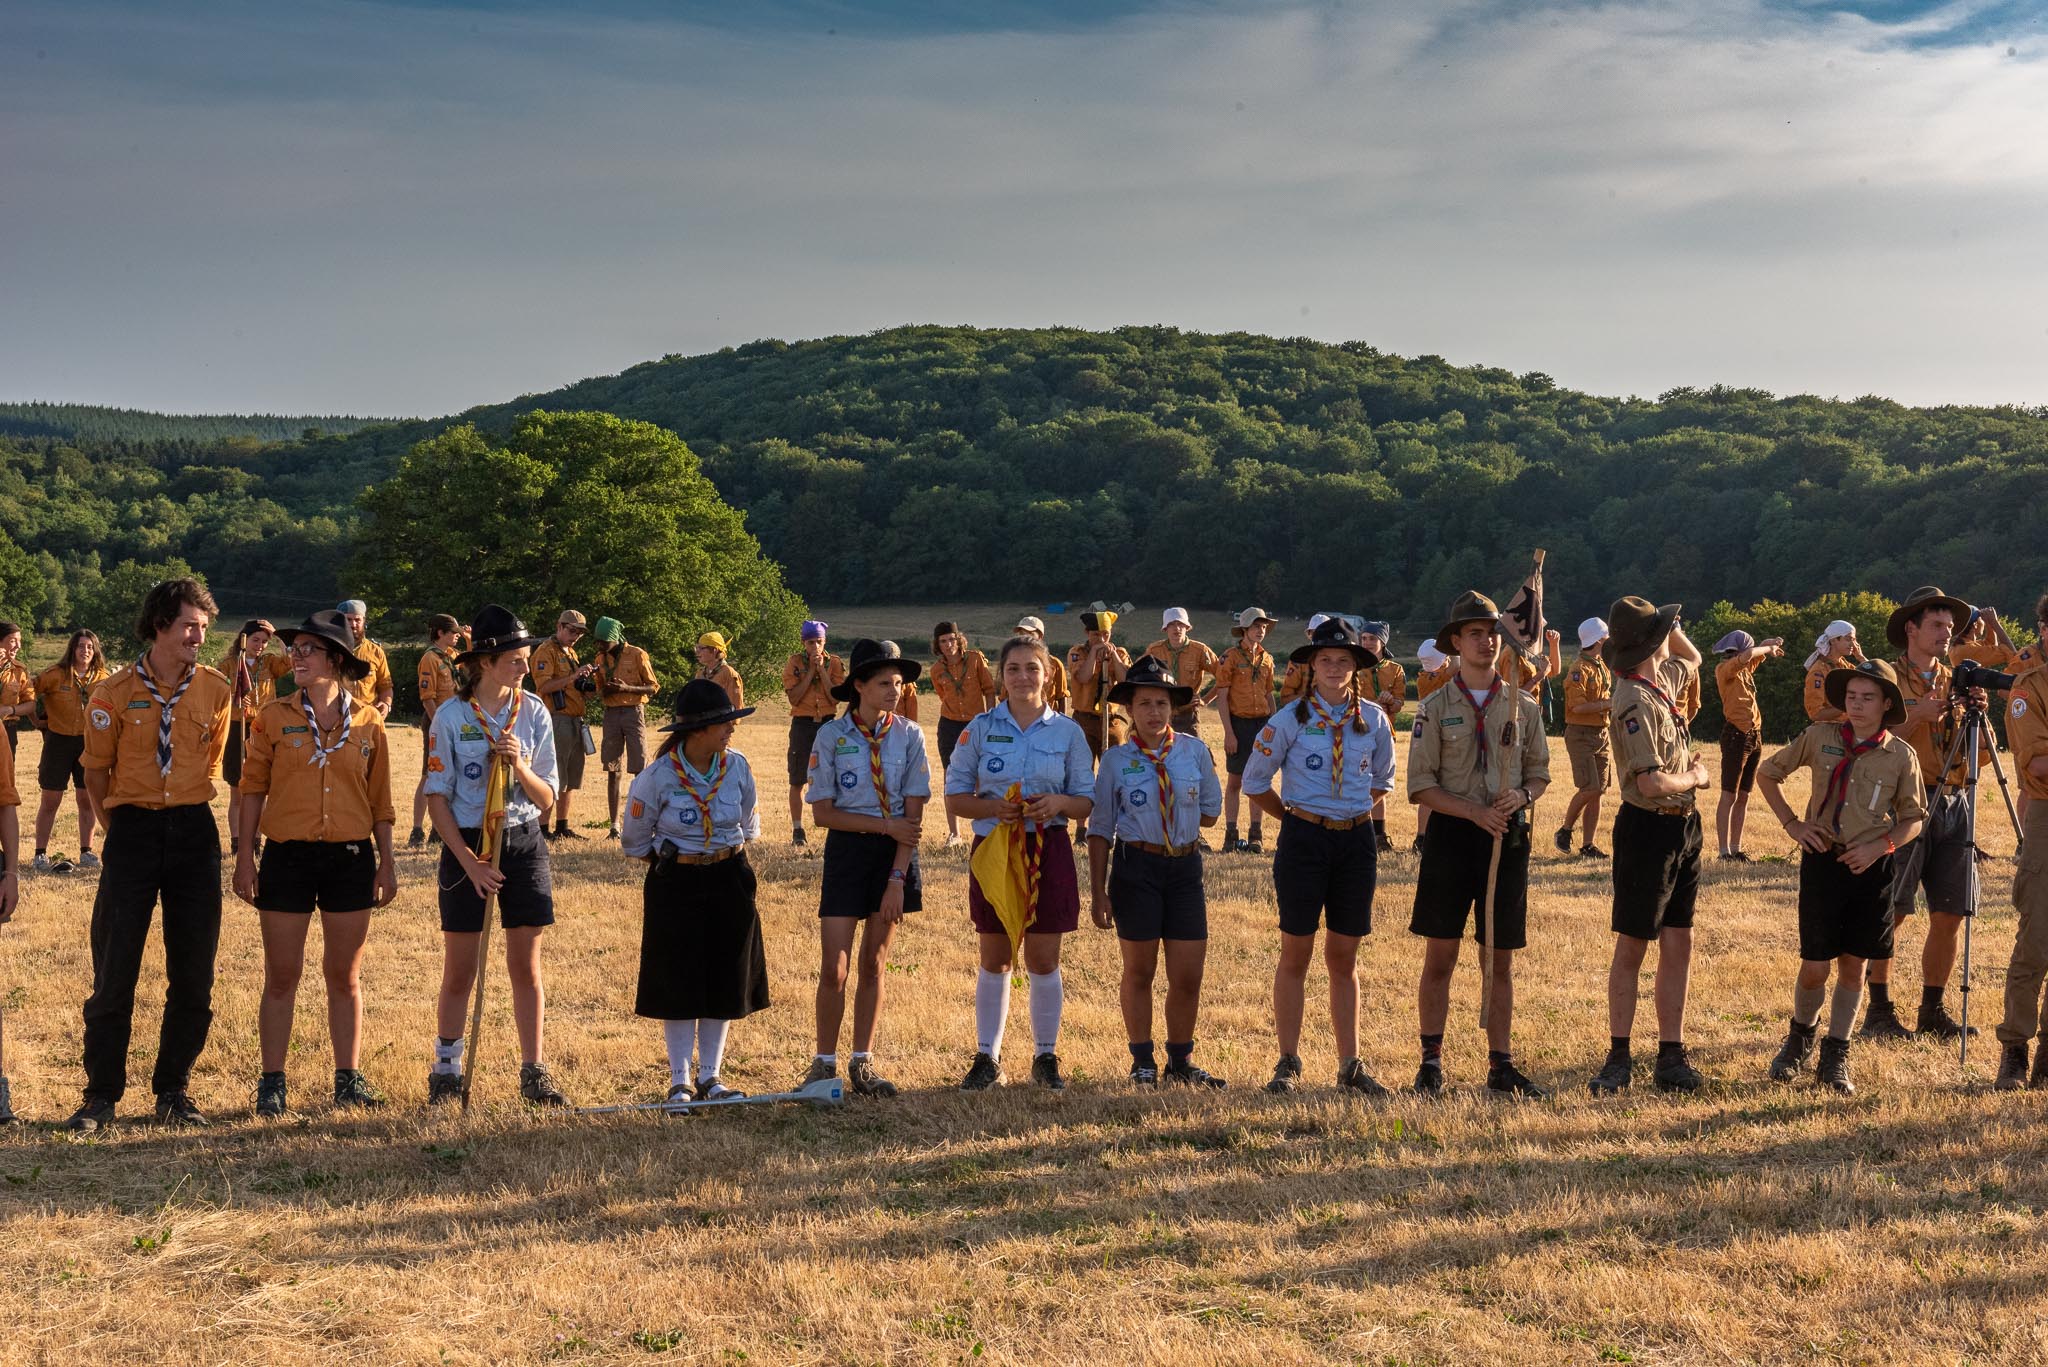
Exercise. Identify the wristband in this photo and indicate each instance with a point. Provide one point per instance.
(1889, 847)
(896, 875)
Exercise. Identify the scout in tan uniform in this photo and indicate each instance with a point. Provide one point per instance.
(17, 691)
(1058, 693)
(10, 878)
(1190, 662)
(1835, 648)
(808, 678)
(1096, 666)
(966, 689)
(1656, 837)
(374, 688)
(1742, 731)
(1244, 699)
(565, 685)
(1587, 691)
(1866, 801)
(154, 736)
(625, 681)
(1387, 685)
(62, 691)
(1478, 761)
(712, 665)
(1529, 677)
(2026, 730)
(436, 681)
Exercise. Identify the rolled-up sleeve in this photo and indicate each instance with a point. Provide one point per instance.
(643, 810)
(960, 774)
(1102, 816)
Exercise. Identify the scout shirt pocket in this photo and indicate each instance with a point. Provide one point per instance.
(472, 758)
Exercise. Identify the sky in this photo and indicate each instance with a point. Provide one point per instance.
(408, 208)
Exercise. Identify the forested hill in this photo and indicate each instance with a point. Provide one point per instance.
(84, 422)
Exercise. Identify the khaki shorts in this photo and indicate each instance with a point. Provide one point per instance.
(625, 734)
(1587, 746)
(568, 751)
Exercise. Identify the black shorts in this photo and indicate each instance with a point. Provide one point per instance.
(857, 865)
(231, 758)
(1656, 871)
(1452, 883)
(1740, 752)
(802, 732)
(333, 875)
(949, 736)
(59, 763)
(1939, 861)
(1842, 912)
(1157, 896)
(527, 897)
(1318, 870)
(1246, 729)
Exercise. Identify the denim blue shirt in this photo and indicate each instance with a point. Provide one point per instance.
(1050, 756)
(1127, 801)
(1298, 753)
(840, 770)
(459, 758)
(661, 818)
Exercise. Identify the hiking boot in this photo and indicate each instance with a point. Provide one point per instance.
(2012, 1066)
(417, 840)
(1591, 852)
(1505, 1079)
(1352, 1074)
(88, 860)
(1833, 1072)
(1144, 1075)
(538, 1087)
(1675, 1073)
(1615, 1074)
(1188, 1075)
(96, 1114)
(1429, 1078)
(1257, 843)
(7, 1115)
(1563, 839)
(1231, 843)
(819, 1071)
(1791, 1059)
(1286, 1074)
(443, 1087)
(270, 1096)
(798, 838)
(866, 1081)
(982, 1074)
(351, 1088)
(1045, 1071)
(1881, 1021)
(1936, 1021)
(1386, 842)
(611, 832)
(176, 1108)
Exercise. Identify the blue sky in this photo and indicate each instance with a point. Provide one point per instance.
(412, 207)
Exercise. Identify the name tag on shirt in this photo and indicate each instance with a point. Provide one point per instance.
(469, 732)
(845, 747)
(1833, 750)
(1454, 720)
(995, 739)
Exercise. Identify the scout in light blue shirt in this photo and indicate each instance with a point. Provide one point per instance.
(841, 773)
(1302, 755)
(1127, 801)
(1049, 756)
(663, 818)
(459, 757)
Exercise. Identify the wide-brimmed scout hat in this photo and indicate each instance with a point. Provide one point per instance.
(1151, 672)
(1919, 600)
(1250, 618)
(1335, 634)
(331, 627)
(1877, 671)
(1636, 626)
(1471, 606)
(866, 658)
(571, 618)
(493, 631)
(701, 703)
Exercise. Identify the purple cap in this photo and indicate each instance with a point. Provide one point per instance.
(813, 631)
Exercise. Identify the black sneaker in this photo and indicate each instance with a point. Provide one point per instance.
(1791, 1059)
(2012, 1067)
(176, 1108)
(1563, 838)
(1505, 1079)
(538, 1087)
(1188, 1075)
(417, 840)
(270, 1096)
(1429, 1078)
(982, 1074)
(1936, 1021)
(1231, 843)
(1591, 852)
(866, 1081)
(1417, 847)
(1833, 1072)
(96, 1114)
(351, 1088)
(1614, 1075)
(443, 1087)
(1144, 1075)
(1881, 1021)
(551, 835)
(798, 839)
(1353, 1075)
(1286, 1074)
(1675, 1073)
(1045, 1071)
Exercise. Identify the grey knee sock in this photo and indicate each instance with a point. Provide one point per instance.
(1806, 1002)
(1842, 1019)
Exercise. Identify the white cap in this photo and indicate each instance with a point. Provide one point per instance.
(1251, 617)
(1315, 622)
(1432, 659)
(1030, 624)
(1172, 615)
(1592, 632)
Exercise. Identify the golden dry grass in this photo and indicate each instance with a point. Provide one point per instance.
(1752, 1224)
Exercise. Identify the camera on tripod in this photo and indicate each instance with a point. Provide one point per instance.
(1971, 674)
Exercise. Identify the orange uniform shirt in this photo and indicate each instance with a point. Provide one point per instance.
(9, 796)
(64, 695)
(2026, 726)
(722, 674)
(1247, 681)
(264, 672)
(436, 678)
(1086, 692)
(344, 801)
(1589, 684)
(16, 686)
(629, 665)
(377, 682)
(1389, 680)
(1736, 678)
(1057, 694)
(906, 704)
(1430, 680)
(965, 686)
(549, 661)
(1815, 691)
(1986, 652)
(1932, 741)
(815, 699)
(1294, 682)
(1194, 664)
(120, 739)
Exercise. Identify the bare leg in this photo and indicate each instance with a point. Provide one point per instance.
(284, 955)
(1433, 993)
(342, 935)
(1340, 956)
(1185, 962)
(1938, 956)
(1622, 973)
(1674, 975)
(1735, 819)
(867, 992)
(835, 949)
(1134, 989)
(529, 998)
(458, 976)
(85, 822)
(1290, 977)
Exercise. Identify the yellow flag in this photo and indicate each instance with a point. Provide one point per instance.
(1005, 867)
(497, 792)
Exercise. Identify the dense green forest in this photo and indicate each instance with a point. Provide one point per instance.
(83, 422)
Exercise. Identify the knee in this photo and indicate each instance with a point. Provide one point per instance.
(524, 972)
(281, 981)
(343, 980)
(1436, 974)
(1141, 976)
(1342, 964)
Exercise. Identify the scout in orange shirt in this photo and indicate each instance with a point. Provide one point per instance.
(17, 690)
(62, 692)
(1434, 670)
(1244, 699)
(10, 879)
(153, 741)
(1984, 641)
(1835, 648)
(1387, 685)
(808, 678)
(1189, 661)
(1588, 695)
(1742, 730)
(317, 788)
(1096, 666)
(565, 686)
(254, 673)
(965, 688)
(2026, 723)
(436, 686)
(625, 681)
(712, 665)
(374, 688)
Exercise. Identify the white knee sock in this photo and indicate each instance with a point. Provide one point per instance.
(710, 1048)
(1048, 995)
(991, 1010)
(681, 1037)
(447, 1055)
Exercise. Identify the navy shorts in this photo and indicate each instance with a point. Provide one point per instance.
(857, 867)
(1451, 887)
(1157, 896)
(332, 875)
(1656, 871)
(527, 897)
(1323, 876)
(1842, 912)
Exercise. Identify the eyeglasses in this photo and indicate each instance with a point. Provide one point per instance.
(303, 650)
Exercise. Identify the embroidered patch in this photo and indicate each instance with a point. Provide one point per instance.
(995, 764)
(1266, 734)
(1832, 750)
(2018, 708)
(139, 702)
(845, 747)
(1313, 763)
(1138, 798)
(293, 731)
(689, 817)
(848, 779)
(994, 739)
(101, 719)
(434, 765)
(1633, 726)
(1266, 750)
(1453, 720)
(1818, 685)
(472, 770)
(814, 761)
(639, 809)
(469, 732)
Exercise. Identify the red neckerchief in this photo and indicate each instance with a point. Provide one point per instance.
(1336, 729)
(874, 739)
(1479, 718)
(1662, 697)
(1158, 758)
(1840, 777)
(719, 769)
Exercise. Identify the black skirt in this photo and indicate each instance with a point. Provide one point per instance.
(701, 954)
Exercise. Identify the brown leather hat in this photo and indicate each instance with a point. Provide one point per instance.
(1635, 627)
(1472, 606)
(1919, 600)
(1836, 687)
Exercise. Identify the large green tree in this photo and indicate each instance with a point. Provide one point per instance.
(23, 590)
(581, 510)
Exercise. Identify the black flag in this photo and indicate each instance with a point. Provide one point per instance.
(1521, 621)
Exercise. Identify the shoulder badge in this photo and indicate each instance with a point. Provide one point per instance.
(2016, 708)
(101, 719)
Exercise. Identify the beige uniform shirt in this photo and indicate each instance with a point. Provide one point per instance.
(1884, 784)
(1443, 749)
(1647, 736)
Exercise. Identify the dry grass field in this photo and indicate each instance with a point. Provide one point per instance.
(1751, 1224)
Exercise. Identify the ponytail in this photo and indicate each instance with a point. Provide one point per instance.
(668, 744)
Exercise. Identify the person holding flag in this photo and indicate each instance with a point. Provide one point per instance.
(1588, 694)
(1096, 666)
(490, 774)
(255, 677)
(62, 692)
(690, 815)
(1020, 773)
(868, 788)
(437, 687)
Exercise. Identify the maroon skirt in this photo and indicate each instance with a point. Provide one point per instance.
(1059, 892)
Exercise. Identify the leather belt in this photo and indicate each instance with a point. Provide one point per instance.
(1169, 851)
(1329, 823)
(715, 857)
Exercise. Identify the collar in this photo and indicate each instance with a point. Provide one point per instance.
(1001, 711)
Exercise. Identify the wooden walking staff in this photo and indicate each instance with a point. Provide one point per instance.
(1521, 621)
(499, 796)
